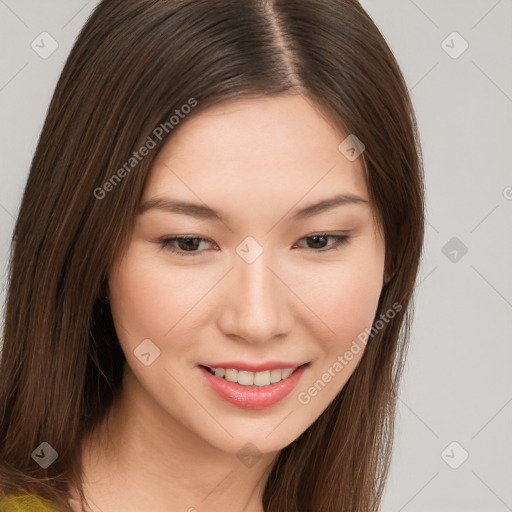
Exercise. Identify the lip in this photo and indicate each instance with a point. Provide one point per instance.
(251, 367)
(253, 397)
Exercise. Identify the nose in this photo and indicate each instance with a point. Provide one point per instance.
(256, 302)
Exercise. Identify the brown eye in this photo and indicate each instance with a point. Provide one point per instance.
(187, 245)
(318, 241)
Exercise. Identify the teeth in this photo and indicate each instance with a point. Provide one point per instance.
(262, 378)
(275, 375)
(231, 375)
(286, 373)
(246, 378)
(253, 378)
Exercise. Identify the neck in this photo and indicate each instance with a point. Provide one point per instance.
(141, 458)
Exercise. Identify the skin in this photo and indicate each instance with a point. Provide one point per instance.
(173, 441)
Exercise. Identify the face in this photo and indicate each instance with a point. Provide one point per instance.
(257, 280)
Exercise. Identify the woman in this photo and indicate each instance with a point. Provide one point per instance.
(213, 265)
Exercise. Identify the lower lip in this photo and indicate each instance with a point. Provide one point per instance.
(253, 397)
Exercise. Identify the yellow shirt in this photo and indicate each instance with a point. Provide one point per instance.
(25, 502)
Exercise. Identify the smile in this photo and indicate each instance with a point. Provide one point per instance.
(252, 389)
(246, 378)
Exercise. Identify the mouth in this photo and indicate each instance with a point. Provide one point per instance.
(253, 389)
(249, 378)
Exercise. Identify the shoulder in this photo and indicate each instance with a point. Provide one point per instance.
(26, 502)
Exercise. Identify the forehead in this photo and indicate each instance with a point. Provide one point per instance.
(280, 149)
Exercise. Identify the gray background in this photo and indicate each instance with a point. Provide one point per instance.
(458, 383)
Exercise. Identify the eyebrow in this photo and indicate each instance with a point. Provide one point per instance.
(205, 212)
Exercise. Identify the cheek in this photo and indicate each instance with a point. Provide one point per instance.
(345, 298)
(346, 302)
(150, 299)
(146, 300)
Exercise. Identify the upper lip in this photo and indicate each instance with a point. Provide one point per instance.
(252, 367)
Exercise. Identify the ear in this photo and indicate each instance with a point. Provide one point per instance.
(388, 275)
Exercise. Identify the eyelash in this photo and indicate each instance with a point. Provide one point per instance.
(166, 243)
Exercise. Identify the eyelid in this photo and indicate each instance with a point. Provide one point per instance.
(343, 237)
(340, 239)
(166, 241)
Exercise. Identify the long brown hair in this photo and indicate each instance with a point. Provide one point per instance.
(134, 64)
